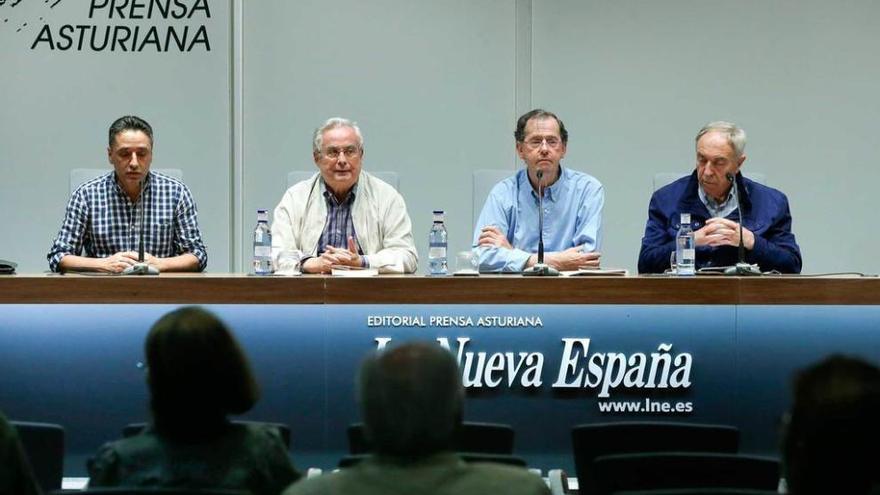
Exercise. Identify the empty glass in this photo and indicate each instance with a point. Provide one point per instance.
(466, 263)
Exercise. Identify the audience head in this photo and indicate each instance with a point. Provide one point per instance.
(197, 373)
(16, 475)
(834, 428)
(411, 399)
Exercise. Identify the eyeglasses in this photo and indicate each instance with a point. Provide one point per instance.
(536, 142)
(350, 152)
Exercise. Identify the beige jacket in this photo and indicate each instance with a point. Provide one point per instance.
(380, 219)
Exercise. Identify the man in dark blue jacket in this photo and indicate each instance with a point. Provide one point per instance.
(707, 195)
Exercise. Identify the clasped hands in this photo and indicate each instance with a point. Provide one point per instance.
(118, 262)
(570, 259)
(723, 232)
(333, 256)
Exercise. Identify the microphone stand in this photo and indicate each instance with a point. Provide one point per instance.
(540, 269)
(141, 267)
(741, 268)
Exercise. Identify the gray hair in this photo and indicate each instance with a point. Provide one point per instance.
(735, 135)
(334, 123)
(411, 399)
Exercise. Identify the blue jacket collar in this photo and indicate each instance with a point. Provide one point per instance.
(690, 200)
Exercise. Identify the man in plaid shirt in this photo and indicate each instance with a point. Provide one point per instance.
(103, 215)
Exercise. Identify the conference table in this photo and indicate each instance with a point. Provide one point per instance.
(541, 354)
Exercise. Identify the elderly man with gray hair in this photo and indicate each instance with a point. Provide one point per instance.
(342, 215)
(412, 401)
(707, 195)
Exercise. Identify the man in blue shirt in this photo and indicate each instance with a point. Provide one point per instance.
(506, 235)
(103, 216)
(708, 196)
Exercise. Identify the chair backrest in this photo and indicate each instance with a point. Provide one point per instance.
(151, 491)
(43, 443)
(78, 176)
(386, 176)
(510, 460)
(133, 429)
(662, 470)
(663, 178)
(471, 438)
(590, 441)
(699, 491)
(484, 181)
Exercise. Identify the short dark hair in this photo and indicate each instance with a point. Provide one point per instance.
(538, 113)
(411, 400)
(129, 123)
(830, 442)
(197, 372)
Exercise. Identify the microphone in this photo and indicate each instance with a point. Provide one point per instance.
(540, 269)
(540, 175)
(141, 268)
(741, 267)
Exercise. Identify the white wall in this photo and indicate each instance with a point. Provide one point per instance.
(437, 86)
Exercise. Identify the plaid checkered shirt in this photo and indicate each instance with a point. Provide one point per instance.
(339, 226)
(102, 220)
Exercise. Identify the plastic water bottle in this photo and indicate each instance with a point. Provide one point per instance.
(263, 245)
(437, 244)
(685, 248)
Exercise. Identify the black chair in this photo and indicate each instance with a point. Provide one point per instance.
(150, 491)
(471, 437)
(469, 457)
(699, 491)
(593, 440)
(43, 443)
(668, 470)
(508, 459)
(133, 429)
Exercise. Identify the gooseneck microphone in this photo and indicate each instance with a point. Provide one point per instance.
(540, 269)
(540, 175)
(741, 267)
(141, 267)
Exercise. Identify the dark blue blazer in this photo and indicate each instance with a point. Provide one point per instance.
(765, 213)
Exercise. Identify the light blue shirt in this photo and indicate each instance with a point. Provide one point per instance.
(716, 209)
(572, 217)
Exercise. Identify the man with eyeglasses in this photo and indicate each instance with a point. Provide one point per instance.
(342, 215)
(506, 235)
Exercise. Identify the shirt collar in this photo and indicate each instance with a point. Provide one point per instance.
(112, 178)
(710, 202)
(331, 198)
(551, 192)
